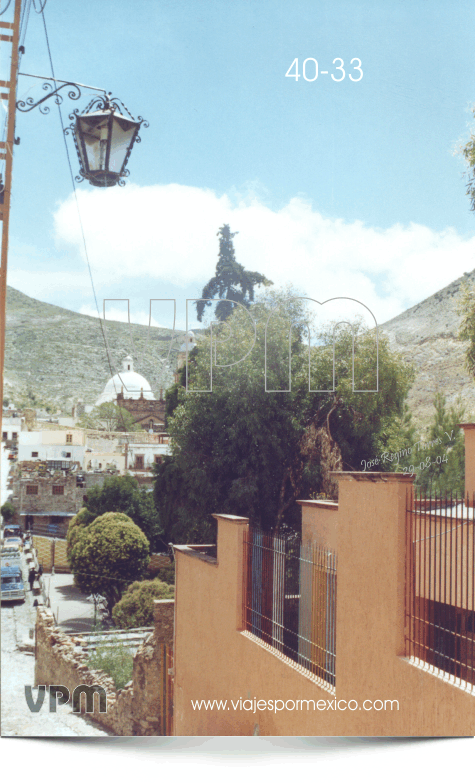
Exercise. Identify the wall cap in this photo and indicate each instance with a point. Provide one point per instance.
(188, 550)
(372, 476)
(320, 503)
(231, 518)
(467, 425)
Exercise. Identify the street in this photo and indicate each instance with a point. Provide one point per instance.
(18, 659)
(18, 664)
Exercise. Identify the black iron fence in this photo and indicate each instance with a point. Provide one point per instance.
(440, 584)
(290, 599)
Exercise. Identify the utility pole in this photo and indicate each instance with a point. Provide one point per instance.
(9, 34)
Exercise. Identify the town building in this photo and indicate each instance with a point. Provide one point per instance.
(45, 503)
(11, 427)
(60, 449)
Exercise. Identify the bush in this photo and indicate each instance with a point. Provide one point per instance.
(108, 555)
(7, 511)
(167, 574)
(136, 606)
(116, 661)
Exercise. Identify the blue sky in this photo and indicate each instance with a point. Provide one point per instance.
(340, 188)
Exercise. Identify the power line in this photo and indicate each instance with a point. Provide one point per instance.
(79, 216)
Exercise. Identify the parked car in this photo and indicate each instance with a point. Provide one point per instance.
(11, 530)
(12, 586)
(13, 540)
(10, 551)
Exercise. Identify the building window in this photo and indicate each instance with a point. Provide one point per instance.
(158, 458)
(32, 489)
(68, 454)
(58, 489)
(34, 454)
(14, 436)
(139, 461)
(4, 436)
(69, 438)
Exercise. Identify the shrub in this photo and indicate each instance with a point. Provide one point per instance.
(136, 606)
(115, 660)
(107, 555)
(7, 511)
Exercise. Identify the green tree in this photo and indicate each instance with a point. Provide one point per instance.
(466, 309)
(7, 510)
(231, 281)
(242, 450)
(440, 457)
(123, 494)
(108, 555)
(136, 606)
(109, 417)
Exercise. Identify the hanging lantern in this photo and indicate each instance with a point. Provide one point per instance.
(104, 137)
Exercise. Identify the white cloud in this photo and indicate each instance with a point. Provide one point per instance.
(116, 314)
(168, 232)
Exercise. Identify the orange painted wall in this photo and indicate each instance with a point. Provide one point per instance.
(215, 659)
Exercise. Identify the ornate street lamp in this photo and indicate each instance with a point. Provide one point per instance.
(104, 137)
(104, 133)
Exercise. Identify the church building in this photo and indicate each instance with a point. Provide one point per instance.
(132, 391)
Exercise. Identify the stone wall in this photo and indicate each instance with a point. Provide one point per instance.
(138, 709)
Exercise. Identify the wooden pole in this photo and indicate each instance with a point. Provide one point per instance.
(9, 33)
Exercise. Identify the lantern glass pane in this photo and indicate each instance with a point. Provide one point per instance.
(94, 133)
(122, 134)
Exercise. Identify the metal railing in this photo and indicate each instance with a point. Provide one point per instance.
(290, 599)
(440, 585)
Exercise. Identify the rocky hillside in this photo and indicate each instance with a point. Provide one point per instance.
(55, 355)
(426, 335)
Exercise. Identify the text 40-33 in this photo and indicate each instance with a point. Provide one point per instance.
(310, 70)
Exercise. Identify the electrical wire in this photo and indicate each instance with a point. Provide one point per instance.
(6, 8)
(41, 9)
(80, 222)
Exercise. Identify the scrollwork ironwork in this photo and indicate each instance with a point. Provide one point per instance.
(74, 94)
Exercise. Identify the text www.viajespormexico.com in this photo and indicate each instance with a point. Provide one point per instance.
(255, 705)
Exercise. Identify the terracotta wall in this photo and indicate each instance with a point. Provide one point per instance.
(469, 435)
(215, 659)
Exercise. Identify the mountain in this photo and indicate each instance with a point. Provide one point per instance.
(426, 335)
(56, 355)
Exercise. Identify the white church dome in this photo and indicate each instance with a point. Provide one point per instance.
(130, 383)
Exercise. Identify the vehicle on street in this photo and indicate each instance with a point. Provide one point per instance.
(11, 530)
(13, 540)
(10, 551)
(12, 586)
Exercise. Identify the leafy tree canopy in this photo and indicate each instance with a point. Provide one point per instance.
(440, 463)
(108, 555)
(123, 494)
(136, 606)
(245, 451)
(109, 417)
(231, 281)
(7, 510)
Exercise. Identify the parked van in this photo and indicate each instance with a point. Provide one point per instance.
(10, 551)
(12, 586)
